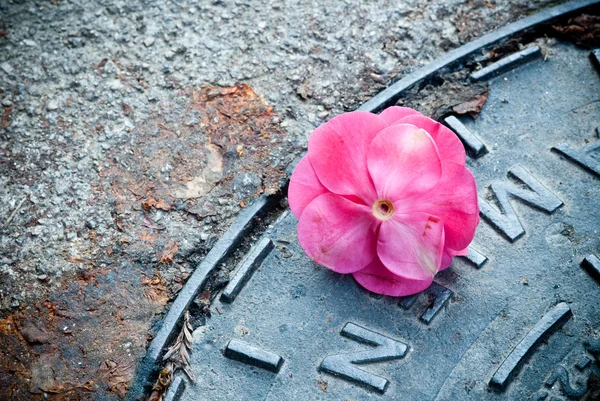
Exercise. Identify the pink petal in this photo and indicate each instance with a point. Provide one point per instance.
(376, 278)
(395, 113)
(411, 245)
(449, 254)
(338, 233)
(403, 160)
(446, 260)
(454, 200)
(304, 187)
(450, 147)
(462, 252)
(338, 150)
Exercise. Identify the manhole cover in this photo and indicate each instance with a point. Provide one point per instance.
(289, 330)
(517, 319)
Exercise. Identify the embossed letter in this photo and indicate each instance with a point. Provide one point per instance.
(581, 156)
(342, 365)
(506, 221)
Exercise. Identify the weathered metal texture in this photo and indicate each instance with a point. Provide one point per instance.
(522, 326)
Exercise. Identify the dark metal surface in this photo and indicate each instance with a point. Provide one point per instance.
(504, 218)
(522, 326)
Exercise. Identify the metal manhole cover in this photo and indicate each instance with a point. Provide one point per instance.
(293, 331)
(517, 319)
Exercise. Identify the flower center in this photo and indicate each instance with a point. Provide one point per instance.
(383, 209)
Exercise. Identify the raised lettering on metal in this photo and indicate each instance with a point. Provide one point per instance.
(506, 220)
(438, 295)
(472, 143)
(557, 315)
(561, 375)
(246, 269)
(583, 363)
(342, 365)
(582, 156)
(246, 353)
(592, 265)
(507, 63)
(475, 258)
(441, 295)
(595, 56)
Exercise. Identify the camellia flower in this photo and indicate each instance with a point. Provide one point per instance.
(385, 197)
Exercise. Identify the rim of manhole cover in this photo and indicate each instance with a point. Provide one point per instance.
(382, 345)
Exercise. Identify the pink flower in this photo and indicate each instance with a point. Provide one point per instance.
(385, 197)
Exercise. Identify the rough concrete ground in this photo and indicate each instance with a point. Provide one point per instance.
(128, 144)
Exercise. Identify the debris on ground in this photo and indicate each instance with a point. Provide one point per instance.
(84, 341)
(458, 96)
(583, 30)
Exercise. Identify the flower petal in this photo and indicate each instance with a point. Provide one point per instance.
(304, 187)
(394, 113)
(337, 151)
(446, 260)
(450, 147)
(449, 254)
(338, 233)
(411, 245)
(376, 278)
(454, 200)
(403, 160)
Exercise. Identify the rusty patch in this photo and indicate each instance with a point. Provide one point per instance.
(223, 132)
(168, 253)
(188, 165)
(194, 161)
(82, 342)
(5, 122)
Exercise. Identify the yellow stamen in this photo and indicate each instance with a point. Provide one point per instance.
(383, 209)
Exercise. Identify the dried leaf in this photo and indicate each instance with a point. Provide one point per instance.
(170, 352)
(189, 373)
(584, 30)
(185, 357)
(472, 106)
(188, 335)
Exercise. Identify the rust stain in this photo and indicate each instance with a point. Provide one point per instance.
(170, 251)
(80, 343)
(5, 122)
(185, 159)
(155, 203)
(85, 340)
